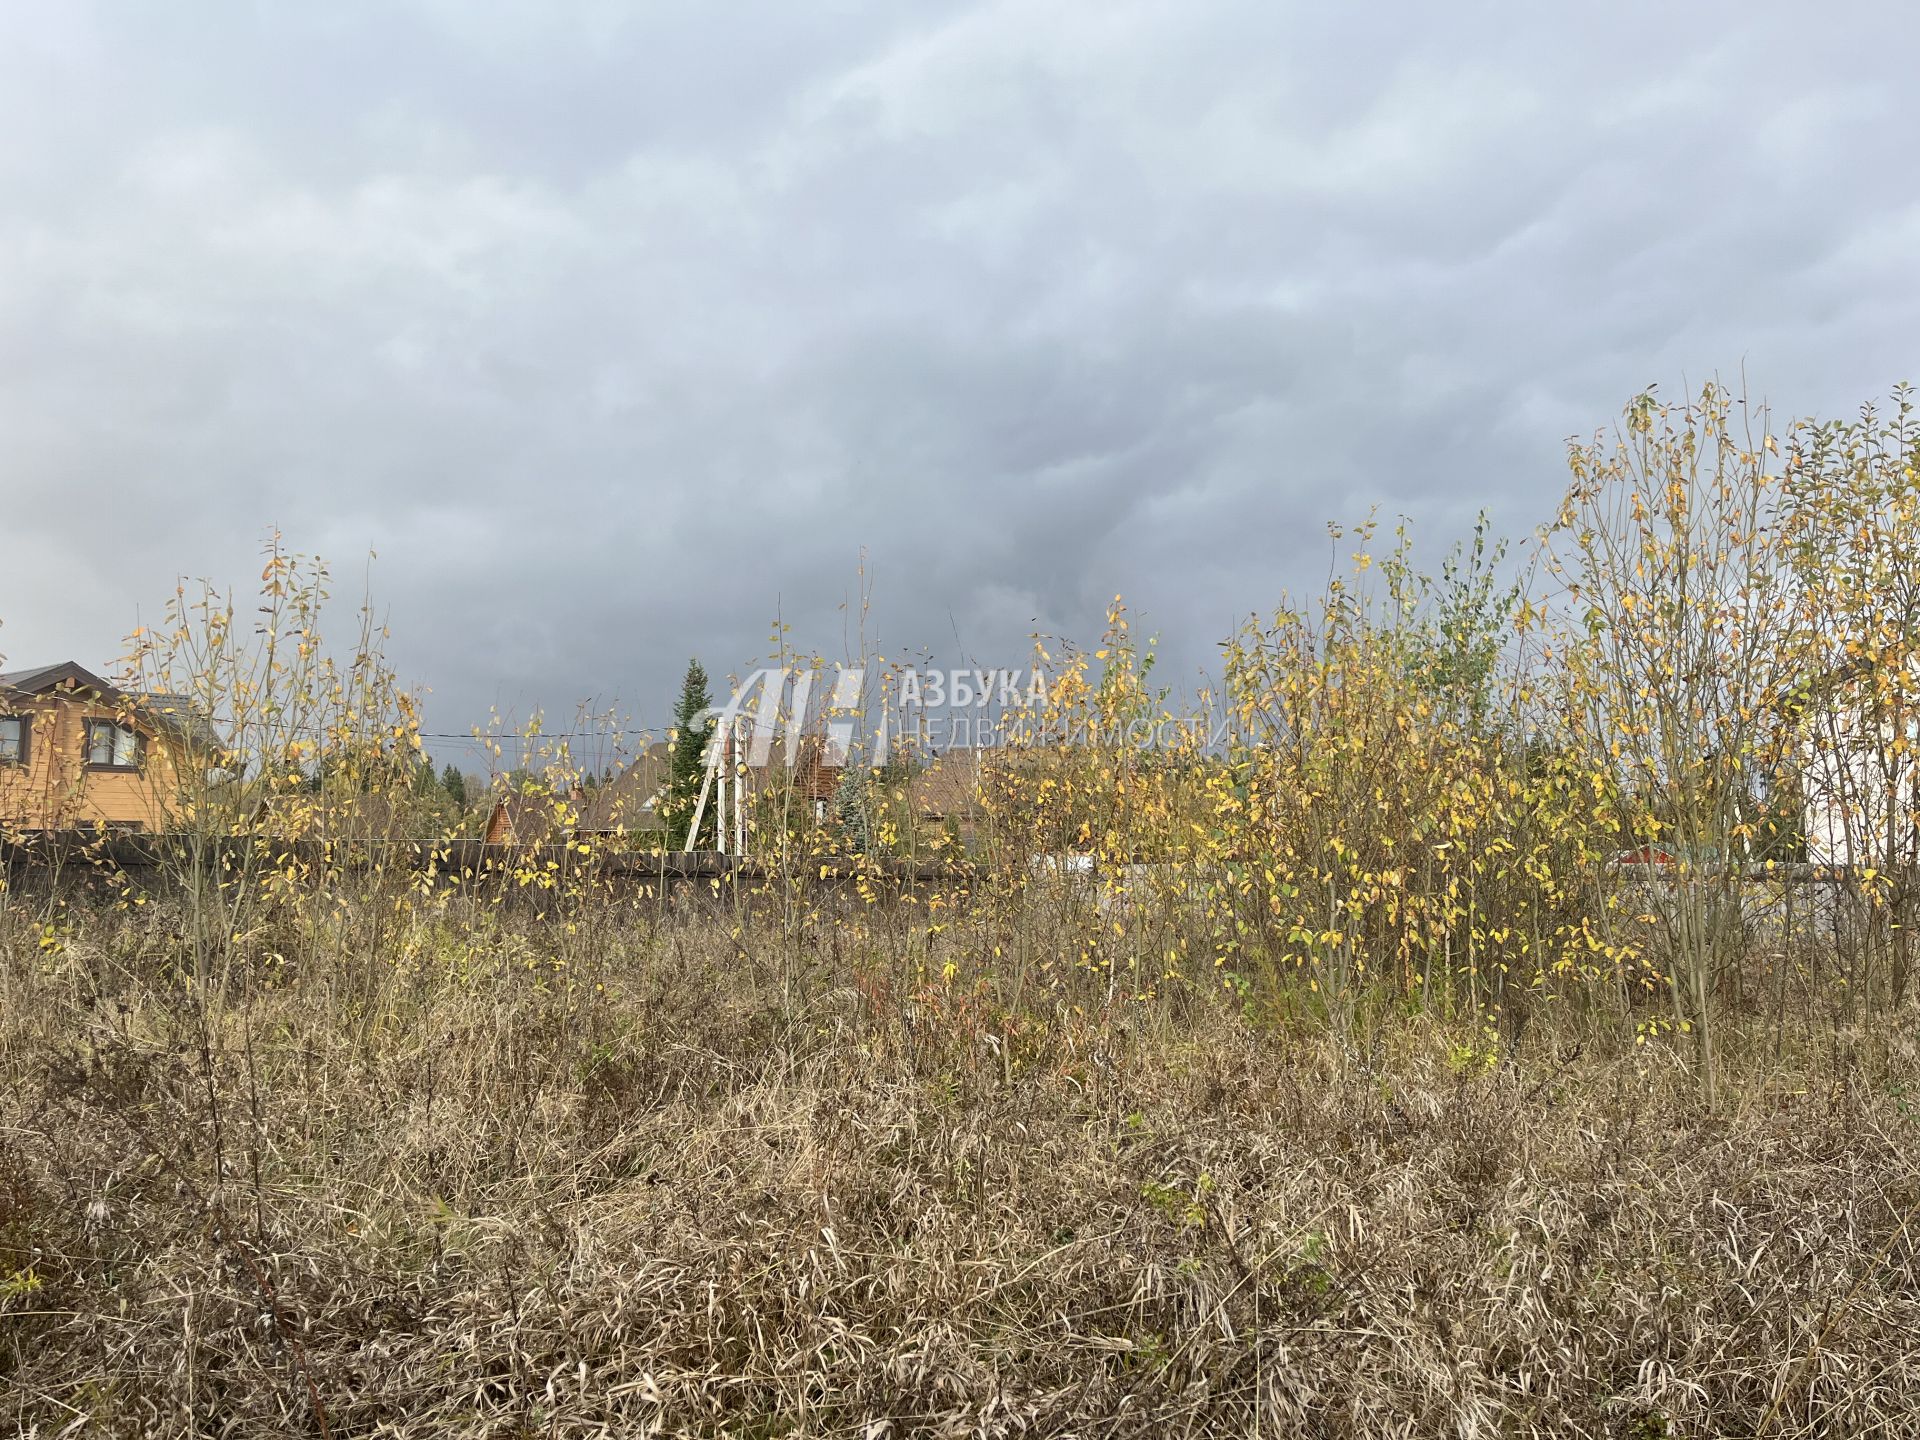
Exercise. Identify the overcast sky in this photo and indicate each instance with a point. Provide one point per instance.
(616, 329)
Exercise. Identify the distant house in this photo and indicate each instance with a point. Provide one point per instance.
(946, 795)
(628, 804)
(779, 790)
(325, 815)
(1859, 772)
(1644, 855)
(809, 783)
(1860, 805)
(523, 818)
(78, 753)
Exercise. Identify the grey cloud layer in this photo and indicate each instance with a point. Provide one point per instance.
(615, 330)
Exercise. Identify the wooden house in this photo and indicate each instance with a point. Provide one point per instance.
(78, 753)
(625, 805)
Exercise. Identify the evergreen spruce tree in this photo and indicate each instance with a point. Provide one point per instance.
(455, 784)
(852, 810)
(687, 767)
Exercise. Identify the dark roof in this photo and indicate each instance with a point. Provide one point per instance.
(173, 711)
(177, 712)
(48, 677)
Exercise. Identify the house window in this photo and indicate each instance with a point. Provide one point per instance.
(13, 739)
(112, 746)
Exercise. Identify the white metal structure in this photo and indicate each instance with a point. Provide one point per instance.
(725, 781)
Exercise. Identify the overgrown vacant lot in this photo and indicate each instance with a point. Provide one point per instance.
(471, 1175)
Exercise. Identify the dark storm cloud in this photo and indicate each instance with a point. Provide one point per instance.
(616, 330)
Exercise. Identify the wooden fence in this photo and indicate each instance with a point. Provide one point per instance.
(150, 858)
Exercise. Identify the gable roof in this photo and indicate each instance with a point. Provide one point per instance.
(949, 786)
(174, 712)
(813, 773)
(52, 677)
(626, 802)
(518, 818)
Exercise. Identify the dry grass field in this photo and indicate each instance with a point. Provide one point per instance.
(479, 1175)
(1496, 1019)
